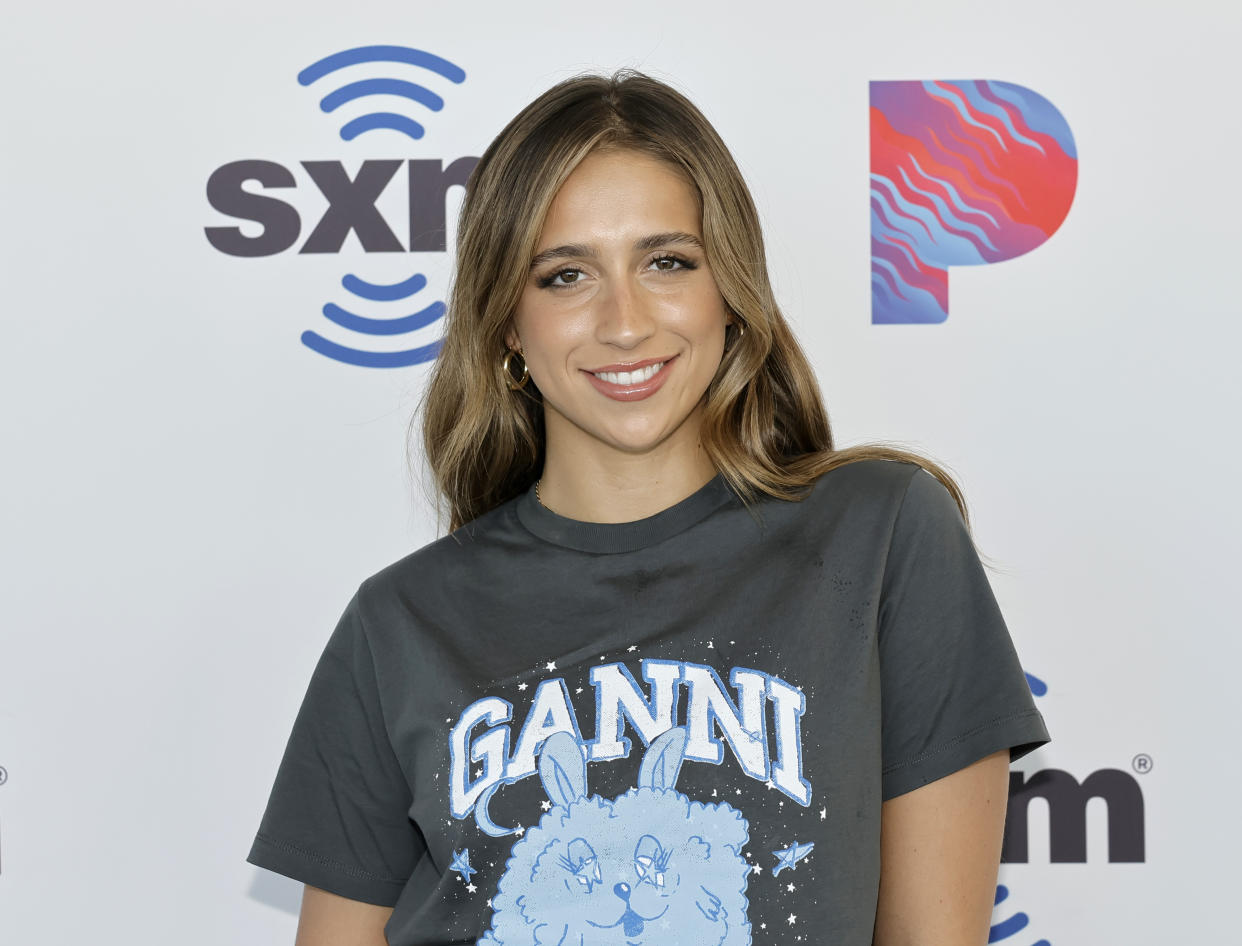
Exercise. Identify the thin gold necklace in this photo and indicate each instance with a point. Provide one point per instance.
(539, 498)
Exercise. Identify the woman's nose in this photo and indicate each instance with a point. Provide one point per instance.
(623, 318)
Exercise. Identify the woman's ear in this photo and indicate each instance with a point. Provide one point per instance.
(511, 338)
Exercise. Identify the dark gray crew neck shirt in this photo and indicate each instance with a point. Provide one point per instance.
(678, 730)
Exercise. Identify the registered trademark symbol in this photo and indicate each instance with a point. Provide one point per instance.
(1141, 763)
(4, 776)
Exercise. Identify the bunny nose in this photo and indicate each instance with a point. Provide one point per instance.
(622, 891)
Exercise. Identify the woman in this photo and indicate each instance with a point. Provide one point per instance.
(682, 672)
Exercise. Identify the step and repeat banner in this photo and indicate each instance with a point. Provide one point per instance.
(1004, 235)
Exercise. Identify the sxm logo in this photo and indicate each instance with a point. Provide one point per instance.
(352, 200)
(1066, 798)
(963, 173)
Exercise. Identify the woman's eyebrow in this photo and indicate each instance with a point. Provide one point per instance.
(562, 252)
(673, 237)
(584, 251)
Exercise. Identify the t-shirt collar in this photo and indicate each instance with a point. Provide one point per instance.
(622, 536)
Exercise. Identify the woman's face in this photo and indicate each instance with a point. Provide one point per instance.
(620, 322)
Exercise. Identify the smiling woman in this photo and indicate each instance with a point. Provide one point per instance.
(790, 653)
(622, 305)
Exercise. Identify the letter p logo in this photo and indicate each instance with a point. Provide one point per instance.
(963, 173)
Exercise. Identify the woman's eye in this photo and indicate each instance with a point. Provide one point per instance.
(561, 279)
(667, 264)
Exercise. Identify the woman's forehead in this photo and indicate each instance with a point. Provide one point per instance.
(621, 196)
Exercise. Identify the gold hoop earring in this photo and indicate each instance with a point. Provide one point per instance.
(741, 330)
(514, 385)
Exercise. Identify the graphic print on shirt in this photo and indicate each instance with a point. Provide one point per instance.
(650, 865)
(684, 859)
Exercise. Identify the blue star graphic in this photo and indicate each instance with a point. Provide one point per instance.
(789, 856)
(461, 864)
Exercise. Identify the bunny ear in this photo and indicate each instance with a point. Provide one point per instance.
(562, 769)
(662, 761)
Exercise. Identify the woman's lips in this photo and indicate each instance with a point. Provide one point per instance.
(633, 392)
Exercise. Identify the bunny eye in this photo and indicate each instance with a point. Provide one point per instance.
(583, 864)
(650, 861)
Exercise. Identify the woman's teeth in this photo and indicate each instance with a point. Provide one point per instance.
(629, 377)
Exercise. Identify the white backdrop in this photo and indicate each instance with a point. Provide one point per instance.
(191, 494)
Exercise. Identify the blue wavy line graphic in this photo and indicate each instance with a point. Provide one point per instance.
(1039, 114)
(356, 90)
(954, 196)
(404, 54)
(375, 292)
(399, 326)
(942, 93)
(949, 220)
(981, 104)
(370, 359)
(407, 126)
(1011, 926)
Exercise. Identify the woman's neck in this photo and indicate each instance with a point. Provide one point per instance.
(608, 485)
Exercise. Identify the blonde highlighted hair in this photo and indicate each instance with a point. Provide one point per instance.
(764, 424)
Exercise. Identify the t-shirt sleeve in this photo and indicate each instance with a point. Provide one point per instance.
(338, 814)
(952, 689)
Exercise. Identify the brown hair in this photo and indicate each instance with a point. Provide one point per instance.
(764, 425)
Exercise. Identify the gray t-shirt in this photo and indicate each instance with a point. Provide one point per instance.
(678, 730)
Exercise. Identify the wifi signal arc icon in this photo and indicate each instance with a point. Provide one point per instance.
(411, 93)
(372, 292)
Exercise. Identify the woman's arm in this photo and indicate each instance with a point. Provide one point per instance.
(940, 848)
(330, 920)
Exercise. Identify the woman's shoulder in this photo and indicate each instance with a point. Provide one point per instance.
(866, 482)
(451, 559)
(867, 497)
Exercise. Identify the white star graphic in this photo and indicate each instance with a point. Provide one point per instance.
(791, 888)
(756, 869)
(711, 645)
(545, 805)
(632, 648)
(579, 690)
(521, 686)
(471, 888)
(550, 665)
(823, 814)
(519, 831)
(792, 919)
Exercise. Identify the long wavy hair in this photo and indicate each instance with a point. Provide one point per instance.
(764, 424)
